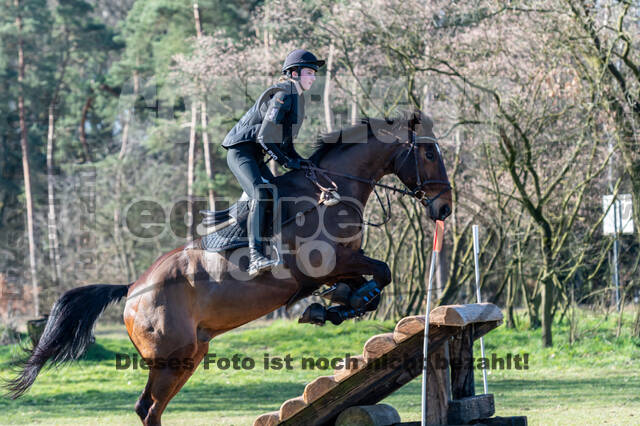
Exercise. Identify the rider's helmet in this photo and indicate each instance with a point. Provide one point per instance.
(300, 58)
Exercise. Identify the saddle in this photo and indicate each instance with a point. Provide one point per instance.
(227, 229)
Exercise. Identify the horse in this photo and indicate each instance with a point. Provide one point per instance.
(188, 296)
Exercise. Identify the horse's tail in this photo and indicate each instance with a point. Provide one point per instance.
(68, 331)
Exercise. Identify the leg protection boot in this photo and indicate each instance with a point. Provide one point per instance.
(364, 297)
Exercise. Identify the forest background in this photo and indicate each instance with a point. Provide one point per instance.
(112, 114)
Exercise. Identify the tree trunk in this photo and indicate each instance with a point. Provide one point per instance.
(208, 161)
(511, 323)
(54, 246)
(354, 100)
(190, 167)
(121, 247)
(547, 295)
(54, 254)
(83, 136)
(328, 114)
(25, 165)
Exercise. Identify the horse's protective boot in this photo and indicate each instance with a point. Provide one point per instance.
(366, 297)
(314, 314)
(337, 314)
(318, 314)
(338, 293)
(258, 262)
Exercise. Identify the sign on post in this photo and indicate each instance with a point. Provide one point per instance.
(624, 209)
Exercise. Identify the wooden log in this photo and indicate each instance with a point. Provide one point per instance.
(291, 407)
(377, 346)
(375, 381)
(467, 410)
(349, 366)
(368, 415)
(381, 377)
(437, 381)
(268, 419)
(461, 360)
(462, 315)
(318, 387)
(407, 327)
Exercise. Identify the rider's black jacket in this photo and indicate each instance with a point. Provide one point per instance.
(273, 121)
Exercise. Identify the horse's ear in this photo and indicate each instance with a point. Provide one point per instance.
(421, 123)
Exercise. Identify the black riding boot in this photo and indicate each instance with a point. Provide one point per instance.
(258, 262)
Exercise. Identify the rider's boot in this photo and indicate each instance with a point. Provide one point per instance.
(258, 262)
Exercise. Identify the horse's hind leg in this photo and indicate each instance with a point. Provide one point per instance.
(164, 383)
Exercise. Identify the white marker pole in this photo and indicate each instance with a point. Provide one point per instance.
(437, 246)
(476, 254)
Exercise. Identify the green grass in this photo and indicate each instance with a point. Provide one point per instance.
(594, 381)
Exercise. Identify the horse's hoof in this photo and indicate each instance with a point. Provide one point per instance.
(314, 314)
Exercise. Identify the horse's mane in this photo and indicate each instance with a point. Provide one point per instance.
(347, 137)
(351, 136)
(342, 139)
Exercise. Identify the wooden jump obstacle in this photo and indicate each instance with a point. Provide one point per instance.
(391, 360)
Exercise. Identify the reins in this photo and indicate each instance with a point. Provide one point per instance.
(311, 172)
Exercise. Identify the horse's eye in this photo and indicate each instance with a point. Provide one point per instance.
(430, 155)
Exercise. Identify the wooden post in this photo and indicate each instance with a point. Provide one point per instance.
(437, 392)
(461, 359)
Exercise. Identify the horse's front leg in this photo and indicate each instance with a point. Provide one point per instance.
(353, 263)
(362, 296)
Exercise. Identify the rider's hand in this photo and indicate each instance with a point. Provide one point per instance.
(293, 164)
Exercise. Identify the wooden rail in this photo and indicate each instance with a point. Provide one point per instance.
(391, 360)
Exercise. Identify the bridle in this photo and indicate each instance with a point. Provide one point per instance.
(418, 192)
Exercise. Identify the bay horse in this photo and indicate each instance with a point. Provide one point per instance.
(188, 295)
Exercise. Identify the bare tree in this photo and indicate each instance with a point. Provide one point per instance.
(25, 162)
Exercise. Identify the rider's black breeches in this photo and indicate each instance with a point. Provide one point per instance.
(252, 176)
(244, 164)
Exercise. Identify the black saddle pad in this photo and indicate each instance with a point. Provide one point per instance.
(234, 235)
(227, 238)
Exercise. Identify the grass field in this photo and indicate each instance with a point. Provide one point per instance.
(595, 381)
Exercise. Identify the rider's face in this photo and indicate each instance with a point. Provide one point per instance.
(307, 77)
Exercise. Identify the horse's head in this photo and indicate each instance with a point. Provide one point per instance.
(420, 167)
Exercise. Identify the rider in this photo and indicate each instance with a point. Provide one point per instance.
(273, 122)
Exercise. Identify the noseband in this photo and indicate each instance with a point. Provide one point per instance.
(418, 192)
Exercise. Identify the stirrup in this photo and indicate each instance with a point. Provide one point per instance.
(261, 264)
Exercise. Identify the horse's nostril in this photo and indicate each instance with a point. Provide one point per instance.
(445, 211)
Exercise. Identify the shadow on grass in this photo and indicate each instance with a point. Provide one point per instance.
(97, 352)
(249, 399)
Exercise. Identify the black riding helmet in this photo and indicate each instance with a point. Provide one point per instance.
(300, 58)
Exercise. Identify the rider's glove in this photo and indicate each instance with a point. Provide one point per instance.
(293, 164)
